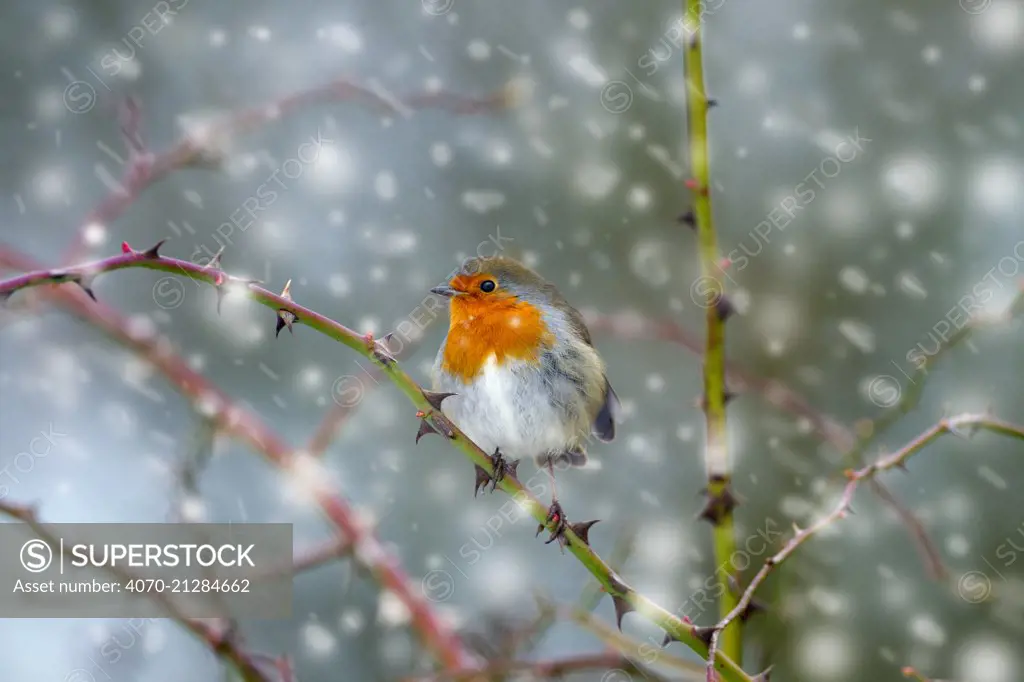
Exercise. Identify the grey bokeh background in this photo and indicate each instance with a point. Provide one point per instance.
(586, 178)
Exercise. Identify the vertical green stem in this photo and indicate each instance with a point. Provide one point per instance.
(720, 499)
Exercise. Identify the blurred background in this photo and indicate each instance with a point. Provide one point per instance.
(868, 170)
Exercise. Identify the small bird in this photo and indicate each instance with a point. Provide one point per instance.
(526, 378)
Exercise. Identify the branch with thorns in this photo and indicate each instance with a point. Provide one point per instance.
(245, 426)
(204, 148)
(222, 636)
(962, 425)
(721, 501)
(575, 536)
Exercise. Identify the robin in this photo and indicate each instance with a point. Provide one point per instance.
(526, 378)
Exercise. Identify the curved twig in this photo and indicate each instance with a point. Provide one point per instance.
(962, 425)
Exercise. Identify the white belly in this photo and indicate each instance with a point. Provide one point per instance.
(507, 408)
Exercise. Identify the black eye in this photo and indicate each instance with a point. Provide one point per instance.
(487, 286)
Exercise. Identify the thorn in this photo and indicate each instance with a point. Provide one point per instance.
(727, 396)
(215, 261)
(425, 429)
(618, 585)
(724, 308)
(482, 479)
(443, 425)
(668, 640)
(712, 102)
(285, 318)
(753, 608)
(704, 634)
(383, 356)
(688, 218)
(582, 529)
(718, 506)
(764, 675)
(218, 282)
(126, 248)
(154, 251)
(435, 399)
(4, 297)
(622, 607)
(86, 284)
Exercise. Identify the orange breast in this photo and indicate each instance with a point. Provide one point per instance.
(506, 327)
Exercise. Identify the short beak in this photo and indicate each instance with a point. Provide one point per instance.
(444, 290)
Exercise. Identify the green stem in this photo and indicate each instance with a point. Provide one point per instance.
(719, 472)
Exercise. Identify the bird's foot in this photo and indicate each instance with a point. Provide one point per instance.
(556, 516)
(501, 467)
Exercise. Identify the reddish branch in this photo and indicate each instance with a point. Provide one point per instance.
(313, 558)
(339, 413)
(221, 638)
(144, 169)
(963, 425)
(245, 426)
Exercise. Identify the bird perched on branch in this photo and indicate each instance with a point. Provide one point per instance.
(526, 378)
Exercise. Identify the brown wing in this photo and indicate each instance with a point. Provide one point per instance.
(603, 426)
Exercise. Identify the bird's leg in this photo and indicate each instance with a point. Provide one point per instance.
(501, 467)
(555, 512)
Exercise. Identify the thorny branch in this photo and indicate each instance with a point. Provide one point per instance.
(205, 147)
(625, 598)
(720, 499)
(246, 427)
(963, 425)
(221, 638)
(627, 646)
